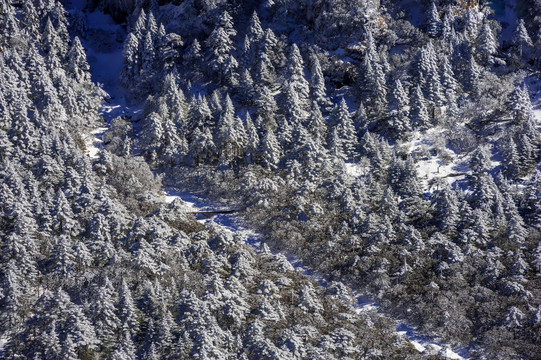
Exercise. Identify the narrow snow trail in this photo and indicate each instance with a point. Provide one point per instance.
(104, 43)
(104, 52)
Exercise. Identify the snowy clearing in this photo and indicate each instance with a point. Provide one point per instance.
(355, 169)
(429, 151)
(93, 142)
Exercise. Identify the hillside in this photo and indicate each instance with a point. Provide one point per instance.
(263, 180)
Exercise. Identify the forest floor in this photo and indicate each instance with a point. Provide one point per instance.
(105, 61)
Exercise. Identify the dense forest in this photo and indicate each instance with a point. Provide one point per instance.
(394, 147)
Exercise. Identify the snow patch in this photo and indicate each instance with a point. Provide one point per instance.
(424, 345)
(355, 169)
(104, 46)
(537, 116)
(94, 142)
(3, 342)
(429, 150)
(433, 168)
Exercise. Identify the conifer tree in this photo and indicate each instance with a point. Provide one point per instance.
(78, 67)
(319, 91)
(433, 21)
(265, 72)
(473, 20)
(246, 87)
(104, 318)
(30, 22)
(148, 64)
(399, 121)
(317, 125)
(203, 149)
(487, 45)
(296, 80)
(12, 301)
(221, 47)
(53, 45)
(521, 105)
(252, 141)
(132, 60)
(346, 130)
(193, 58)
(511, 160)
(295, 106)
(199, 115)
(255, 31)
(335, 145)
(139, 27)
(447, 211)
(231, 137)
(450, 86)
(419, 112)
(270, 150)
(175, 101)
(447, 29)
(480, 162)
(473, 75)
(151, 25)
(266, 106)
(428, 75)
(521, 38)
(269, 46)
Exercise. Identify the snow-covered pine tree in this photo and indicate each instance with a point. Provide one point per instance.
(487, 45)
(521, 38)
(319, 91)
(317, 125)
(346, 130)
(296, 80)
(450, 86)
(270, 150)
(419, 112)
(433, 21)
(77, 66)
(132, 61)
(398, 110)
(221, 48)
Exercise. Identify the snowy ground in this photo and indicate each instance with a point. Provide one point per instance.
(3, 342)
(430, 164)
(94, 141)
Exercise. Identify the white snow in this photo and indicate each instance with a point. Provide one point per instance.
(537, 115)
(3, 342)
(355, 169)
(536, 104)
(427, 346)
(415, 343)
(104, 45)
(93, 142)
(424, 148)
